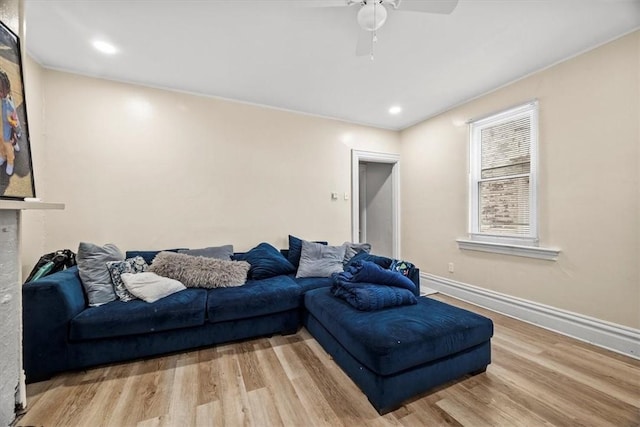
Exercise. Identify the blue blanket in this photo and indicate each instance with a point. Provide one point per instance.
(370, 297)
(368, 287)
(368, 272)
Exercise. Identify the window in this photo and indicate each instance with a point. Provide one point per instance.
(503, 176)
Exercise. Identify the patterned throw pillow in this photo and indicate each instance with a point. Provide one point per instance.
(403, 267)
(117, 268)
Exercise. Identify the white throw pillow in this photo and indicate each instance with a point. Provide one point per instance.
(149, 286)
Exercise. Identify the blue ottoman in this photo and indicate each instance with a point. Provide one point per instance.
(396, 353)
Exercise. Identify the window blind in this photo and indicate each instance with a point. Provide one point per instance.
(504, 181)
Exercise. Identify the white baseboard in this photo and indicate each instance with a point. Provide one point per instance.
(611, 336)
(424, 291)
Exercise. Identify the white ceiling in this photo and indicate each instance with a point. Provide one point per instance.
(280, 54)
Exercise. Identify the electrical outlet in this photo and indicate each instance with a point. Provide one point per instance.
(451, 267)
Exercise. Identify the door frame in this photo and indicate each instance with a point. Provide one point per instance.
(358, 156)
(362, 214)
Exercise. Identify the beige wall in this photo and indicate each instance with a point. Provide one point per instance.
(588, 188)
(149, 169)
(33, 221)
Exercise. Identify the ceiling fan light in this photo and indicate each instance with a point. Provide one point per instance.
(372, 16)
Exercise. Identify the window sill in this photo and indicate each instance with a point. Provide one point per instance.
(509, 249)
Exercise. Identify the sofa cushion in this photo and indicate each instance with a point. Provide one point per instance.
(310, 283)
(255, 298)
(266, 261)
(92, 266)
(398, 338)
(180, 310)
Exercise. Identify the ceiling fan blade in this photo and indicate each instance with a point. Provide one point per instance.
(428, 6)
(363, 47)
(322, 3)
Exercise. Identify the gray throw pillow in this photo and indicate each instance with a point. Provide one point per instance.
(351, 249)
(200, 272)
(220, 252)
(318, 260)
(92, 267)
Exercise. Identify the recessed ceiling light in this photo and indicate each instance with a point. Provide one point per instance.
(396, 109)
(105, 47)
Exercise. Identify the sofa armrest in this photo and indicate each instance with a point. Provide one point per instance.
(48, 305)
(415, 278)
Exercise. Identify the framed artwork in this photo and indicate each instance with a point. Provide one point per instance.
(16, 170)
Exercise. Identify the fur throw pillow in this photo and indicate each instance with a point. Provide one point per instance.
(200, 272)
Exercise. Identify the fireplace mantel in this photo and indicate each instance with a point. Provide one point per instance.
(19, 205)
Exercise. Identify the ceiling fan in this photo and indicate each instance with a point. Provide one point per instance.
(373, 14)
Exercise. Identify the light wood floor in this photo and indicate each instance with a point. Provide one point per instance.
(537, 378)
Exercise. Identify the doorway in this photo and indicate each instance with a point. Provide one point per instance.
(375, 201)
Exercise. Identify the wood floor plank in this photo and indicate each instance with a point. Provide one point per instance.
(209, 414)
(529, 395)
(184, 393)
(79, 395)
(51, 390)
(624, 375)
(291, 364)
(342, 394)
(430, 414)
(612, 389)
(208, 378)
(314, 403)
(465, 406)
(517, 413)
(107, 396)
(537, 378)
(235, 403)
(263, 408)
(282, 391)
(583, 404)
(127, 410)
(250, 367)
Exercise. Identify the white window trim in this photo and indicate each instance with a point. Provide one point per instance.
(504, 244)
(549, 254)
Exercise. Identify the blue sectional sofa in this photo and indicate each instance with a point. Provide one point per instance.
(62, 333)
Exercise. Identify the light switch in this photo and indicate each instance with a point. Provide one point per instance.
(334, 196)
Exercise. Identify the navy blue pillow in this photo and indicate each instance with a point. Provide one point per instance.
(295, 250)
(148, 256)
(382, 261)
(266, 261)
